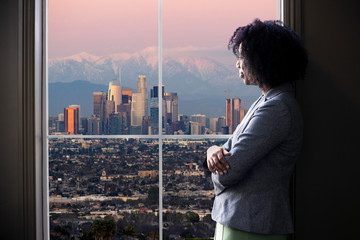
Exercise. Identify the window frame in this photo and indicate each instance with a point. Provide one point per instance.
(34, 75)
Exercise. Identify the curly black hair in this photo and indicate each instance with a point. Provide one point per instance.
(273, 54)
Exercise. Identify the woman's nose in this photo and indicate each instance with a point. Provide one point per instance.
(238, 64)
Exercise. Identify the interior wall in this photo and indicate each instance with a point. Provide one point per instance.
(327, 174)
(11, 175)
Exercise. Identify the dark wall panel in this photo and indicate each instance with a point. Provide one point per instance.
(328, 172)
(11, 207)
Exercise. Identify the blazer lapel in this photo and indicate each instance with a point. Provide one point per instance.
(272, 93)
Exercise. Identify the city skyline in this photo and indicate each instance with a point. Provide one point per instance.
(123, 111)
(112, 48)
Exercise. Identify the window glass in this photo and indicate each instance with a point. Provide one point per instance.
(188, 194)
(103, 79)
(103, 182)
(203, 91)
(102, 61)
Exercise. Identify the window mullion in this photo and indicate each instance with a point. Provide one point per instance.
(160, 99)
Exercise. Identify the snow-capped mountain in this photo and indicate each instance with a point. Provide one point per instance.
(201, 83)
(183, 74)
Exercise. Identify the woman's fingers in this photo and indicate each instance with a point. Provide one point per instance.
(211, 166)
(223, 161)
(216, 161)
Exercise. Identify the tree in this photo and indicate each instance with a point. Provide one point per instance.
(104, 229)
(128, 231)
(192, 217)
(153, 195)
(86, 236)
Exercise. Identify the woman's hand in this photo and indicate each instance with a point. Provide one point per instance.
(216, 161)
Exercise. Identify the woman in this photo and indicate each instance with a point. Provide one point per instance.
(251, 171)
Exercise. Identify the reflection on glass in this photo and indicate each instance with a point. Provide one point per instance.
(188, 195)
(103, 182)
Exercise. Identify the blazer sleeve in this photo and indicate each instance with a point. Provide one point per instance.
(267, 128)
(226, 146)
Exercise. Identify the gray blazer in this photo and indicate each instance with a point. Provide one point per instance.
(254, 195)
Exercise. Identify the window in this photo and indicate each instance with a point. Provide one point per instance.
(124, 152)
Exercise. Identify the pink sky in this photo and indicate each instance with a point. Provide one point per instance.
(111, 26)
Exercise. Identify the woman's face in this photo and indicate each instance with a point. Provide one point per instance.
(243, 73)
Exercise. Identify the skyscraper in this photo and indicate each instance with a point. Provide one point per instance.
(142, 89)
(103, 108)
(201, 119)
(71, 119)
(98, 103)
(60, 124)
(126, 96)
(233, 113)
(77, 106)
(213, 123)
(109, 108)
(115, 123)
(139, 103)
(115, 93)
(125, 112)
(154, 109)
(93, 125)
(221, 122)
(196, 128)
(171, 107)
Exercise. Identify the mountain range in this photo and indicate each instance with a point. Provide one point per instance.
(201, 82)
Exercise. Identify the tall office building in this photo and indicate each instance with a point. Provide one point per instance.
(233, 113)
(146, 126)
(139, 104)
(115, 93)
(99, 99)
(212, 124)
(109, 108)
(221, 123)
(142, 89)
(103, 108)
(115, 123)
(77, 106)
(126, 95)
(125, 112)
(60, 124)
(171, 107)
(154, 109)
(201, 119)
(154, 116)
(98, 103)
(93, 125)
(71, 120)
(137, 109)
(195, 128)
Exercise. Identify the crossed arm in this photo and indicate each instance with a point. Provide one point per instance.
(267, 128)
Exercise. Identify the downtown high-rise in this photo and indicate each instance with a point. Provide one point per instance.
(71, 120)
(233, 113)
(139, 105)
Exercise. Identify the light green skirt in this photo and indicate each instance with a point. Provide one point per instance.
(226, 233)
